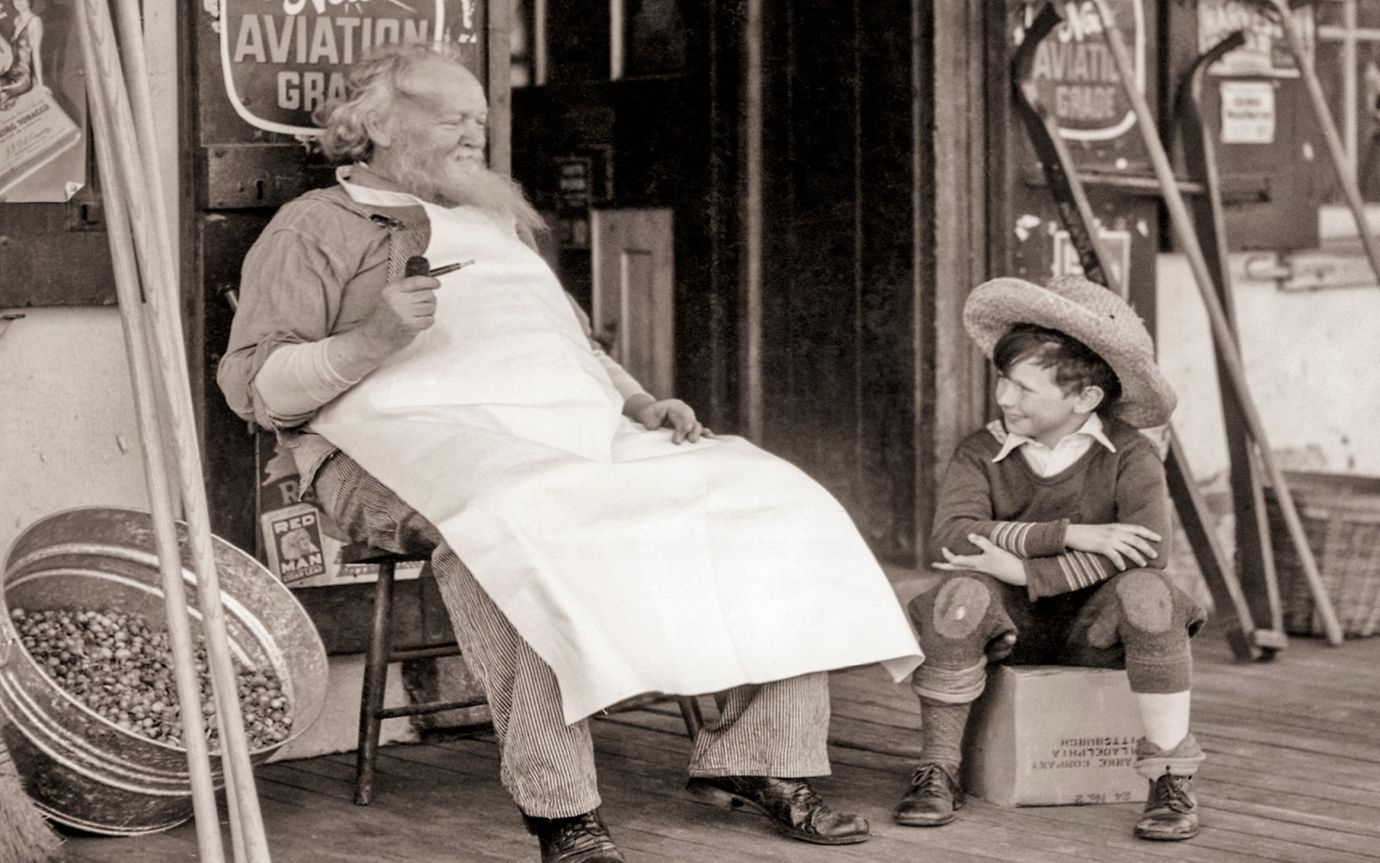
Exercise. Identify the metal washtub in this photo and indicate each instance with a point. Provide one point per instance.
(82, 770)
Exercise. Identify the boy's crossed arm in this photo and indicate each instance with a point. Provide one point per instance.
(1054, 557)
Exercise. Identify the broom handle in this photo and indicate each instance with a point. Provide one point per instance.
(136, 81)
(1346, 177)
(156, 477)
(1221, 331)
(170, 365)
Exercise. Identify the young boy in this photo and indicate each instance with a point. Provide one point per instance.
(1054, 524)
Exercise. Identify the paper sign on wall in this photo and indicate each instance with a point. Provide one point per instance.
(1248, 112)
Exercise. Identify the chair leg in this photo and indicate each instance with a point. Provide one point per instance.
(690, 711)
(375, 683)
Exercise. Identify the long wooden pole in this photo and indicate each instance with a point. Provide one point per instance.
(1066, 186)
(161, 228)
(156, 477)
(1227, 352)
(1341, 164)
(170, 358)
(1254, 558)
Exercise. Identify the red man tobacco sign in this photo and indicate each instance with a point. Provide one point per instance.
(283, 58)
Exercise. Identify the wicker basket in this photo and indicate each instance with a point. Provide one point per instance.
(1341, 516)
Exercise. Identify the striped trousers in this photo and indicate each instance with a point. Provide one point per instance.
(773, 729)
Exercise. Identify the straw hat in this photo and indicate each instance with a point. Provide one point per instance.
(1090, 313)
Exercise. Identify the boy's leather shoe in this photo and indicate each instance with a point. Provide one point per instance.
(582, 839)
(1171, 812)
(933, 796)
(793, 806)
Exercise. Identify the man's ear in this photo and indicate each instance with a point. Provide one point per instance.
(378, 129)
(1089, 399)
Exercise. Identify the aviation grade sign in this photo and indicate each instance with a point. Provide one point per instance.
(283, 59)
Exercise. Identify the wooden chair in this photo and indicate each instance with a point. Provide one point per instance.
(381, 652)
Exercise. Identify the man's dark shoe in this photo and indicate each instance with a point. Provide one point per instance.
(792, 805)
(1171, 812)
(933, 796)
(582, 839)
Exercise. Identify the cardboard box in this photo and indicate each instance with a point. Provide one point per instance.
(1046, 735)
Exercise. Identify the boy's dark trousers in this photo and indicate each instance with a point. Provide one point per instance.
(1138, 619)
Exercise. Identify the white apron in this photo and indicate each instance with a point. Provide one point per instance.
(630, 564)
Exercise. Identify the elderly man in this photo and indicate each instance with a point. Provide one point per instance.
(611, 545)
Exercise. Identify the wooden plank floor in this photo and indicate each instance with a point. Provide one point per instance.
(1293, 774)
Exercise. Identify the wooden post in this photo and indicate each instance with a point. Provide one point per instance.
(750, 290)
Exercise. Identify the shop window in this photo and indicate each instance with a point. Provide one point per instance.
(569, 42)
(1348, 64)
(528, 41)
(648, 38)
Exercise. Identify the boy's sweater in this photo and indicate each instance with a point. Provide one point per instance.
(1027, 515)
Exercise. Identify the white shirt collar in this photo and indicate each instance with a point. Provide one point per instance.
(371, 196)
(1012, 441)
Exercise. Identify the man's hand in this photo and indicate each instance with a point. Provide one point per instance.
(1117, 542)
(674, 413)
(995, 561)
(405, 308)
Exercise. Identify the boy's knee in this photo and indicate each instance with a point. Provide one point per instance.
(953, 609)
(1146, 601)
(1147, 605)
(956, 619)
(1153, 619)
(963, 609)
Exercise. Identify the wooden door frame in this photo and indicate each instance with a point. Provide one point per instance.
(953, 249)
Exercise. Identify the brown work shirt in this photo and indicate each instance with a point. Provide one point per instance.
(317, 270)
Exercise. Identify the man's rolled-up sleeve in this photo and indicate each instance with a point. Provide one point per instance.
(290, 293)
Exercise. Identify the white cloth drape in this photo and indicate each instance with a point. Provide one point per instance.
(630, 564)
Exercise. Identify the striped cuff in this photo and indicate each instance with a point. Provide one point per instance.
(1030, 538)
(1064, 573)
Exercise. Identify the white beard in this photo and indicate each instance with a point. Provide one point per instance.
(451, 183)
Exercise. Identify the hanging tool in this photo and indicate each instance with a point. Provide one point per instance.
(1067, 186)
(1227, 351)
(1254, 558)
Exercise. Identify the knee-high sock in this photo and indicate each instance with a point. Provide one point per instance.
(942, 731)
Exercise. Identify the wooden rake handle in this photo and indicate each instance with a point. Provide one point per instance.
(1221, 331)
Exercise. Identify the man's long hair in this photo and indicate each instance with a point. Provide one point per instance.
(371, 85)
